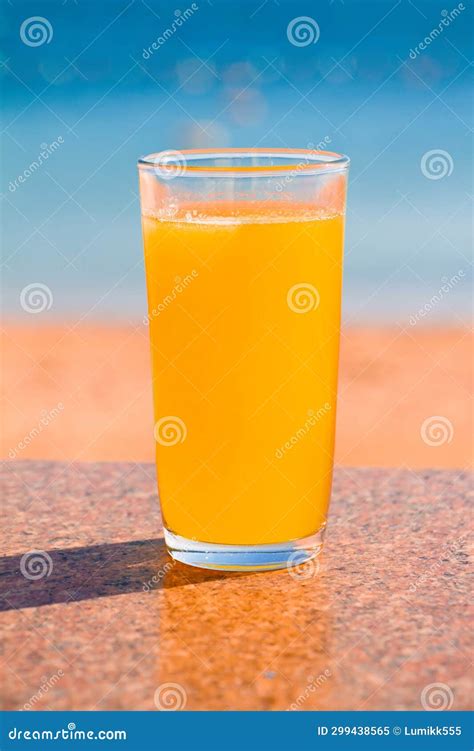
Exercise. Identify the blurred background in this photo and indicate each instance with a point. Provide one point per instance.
(386, 82)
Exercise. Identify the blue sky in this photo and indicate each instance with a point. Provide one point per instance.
(230, 76)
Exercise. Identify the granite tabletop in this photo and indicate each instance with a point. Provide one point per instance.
(95, 615)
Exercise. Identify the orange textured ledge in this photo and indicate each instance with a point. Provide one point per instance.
(383, 615)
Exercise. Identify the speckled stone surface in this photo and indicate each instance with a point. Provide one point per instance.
(113, 618)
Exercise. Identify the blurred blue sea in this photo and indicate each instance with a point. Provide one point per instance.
(230, 76)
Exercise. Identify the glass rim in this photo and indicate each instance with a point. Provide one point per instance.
(174, 163)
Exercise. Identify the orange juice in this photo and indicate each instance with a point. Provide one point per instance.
(244, 316)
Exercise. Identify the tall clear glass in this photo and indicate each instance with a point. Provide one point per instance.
(243, 255)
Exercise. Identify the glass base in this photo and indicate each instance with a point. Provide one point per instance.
(244, 557)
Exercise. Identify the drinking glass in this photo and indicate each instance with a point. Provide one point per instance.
(243, 256)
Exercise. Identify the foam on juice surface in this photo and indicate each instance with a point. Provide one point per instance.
(241, 213)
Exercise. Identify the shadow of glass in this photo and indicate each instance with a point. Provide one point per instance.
(41, 577)
(68, 575)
